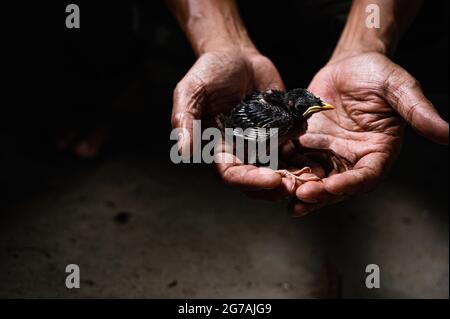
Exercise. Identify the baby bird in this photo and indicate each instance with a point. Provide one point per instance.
(289, 112)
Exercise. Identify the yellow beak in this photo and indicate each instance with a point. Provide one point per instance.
(317, 108)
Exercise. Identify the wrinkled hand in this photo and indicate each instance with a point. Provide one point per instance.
(216, 83)
(373, 99)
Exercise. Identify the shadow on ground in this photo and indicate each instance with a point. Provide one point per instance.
(139, 226)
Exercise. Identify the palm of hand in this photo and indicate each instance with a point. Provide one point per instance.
(215, 84)
(363, 128)
(369, 92)
(220, 79)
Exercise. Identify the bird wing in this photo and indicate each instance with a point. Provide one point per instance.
(254, 119)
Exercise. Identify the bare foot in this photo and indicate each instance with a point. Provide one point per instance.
(86, 146)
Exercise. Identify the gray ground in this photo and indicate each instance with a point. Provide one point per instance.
(140, 227)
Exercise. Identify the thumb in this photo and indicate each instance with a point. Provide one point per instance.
(405, 95)
(188, 99)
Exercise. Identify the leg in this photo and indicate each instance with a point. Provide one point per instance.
(296, 175)
(338, 163)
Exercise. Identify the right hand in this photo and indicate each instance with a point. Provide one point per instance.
(216, 83)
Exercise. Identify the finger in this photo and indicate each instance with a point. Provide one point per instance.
(300, 209)
(246, 177)
(284, 190)
(313, 192)
(362, 178)
(405, 95)
(188, 99)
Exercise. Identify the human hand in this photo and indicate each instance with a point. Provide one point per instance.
(216, 83)
(373, 97)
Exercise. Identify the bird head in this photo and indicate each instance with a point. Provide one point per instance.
(303, 103)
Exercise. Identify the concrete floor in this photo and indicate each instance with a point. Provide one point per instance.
(141, 227)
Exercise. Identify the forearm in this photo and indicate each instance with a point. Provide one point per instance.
(211, 24)
(395, 17)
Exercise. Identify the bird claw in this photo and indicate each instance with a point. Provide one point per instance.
(296, 175)
(340, 163)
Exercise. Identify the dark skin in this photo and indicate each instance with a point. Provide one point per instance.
(229, 75)
(374, 98)
(366, 128)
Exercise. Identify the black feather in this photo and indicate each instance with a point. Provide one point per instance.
(259, 112)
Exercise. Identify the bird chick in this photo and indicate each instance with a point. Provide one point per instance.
(289, 112)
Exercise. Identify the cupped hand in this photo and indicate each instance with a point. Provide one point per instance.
(216, 83)
(373, 98)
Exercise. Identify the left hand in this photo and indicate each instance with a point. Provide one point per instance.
(373, 97)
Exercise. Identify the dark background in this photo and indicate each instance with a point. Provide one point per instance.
(61, 76)
(120, 69)
(58, 74)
